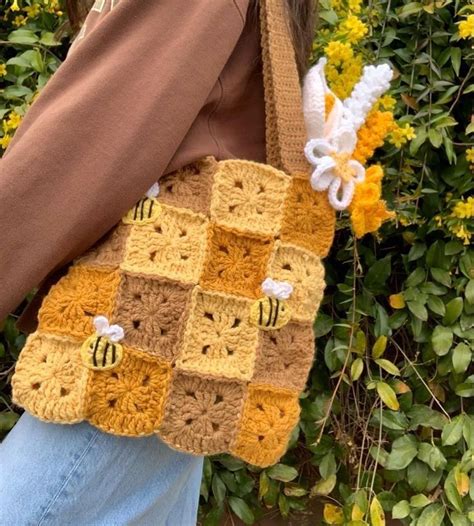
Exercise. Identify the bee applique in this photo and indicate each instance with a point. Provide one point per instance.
(101, 351)
(272, 311)
(146, 210)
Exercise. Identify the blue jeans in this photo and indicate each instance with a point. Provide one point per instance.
(71, 475)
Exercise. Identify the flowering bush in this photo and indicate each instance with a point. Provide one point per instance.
(388, 416)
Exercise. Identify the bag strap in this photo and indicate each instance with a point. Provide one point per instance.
(285, 127)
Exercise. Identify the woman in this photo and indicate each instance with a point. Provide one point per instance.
(147, 88)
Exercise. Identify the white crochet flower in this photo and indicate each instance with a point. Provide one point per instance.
(153, 191)
(280, 290)
(333, 137)
(115, 333)
(335, 170)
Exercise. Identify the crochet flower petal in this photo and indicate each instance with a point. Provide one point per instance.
(341, 203)
(359, 171)
(345, 141)
(323, 175)
(315, 149)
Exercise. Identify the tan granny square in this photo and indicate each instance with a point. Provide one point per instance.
(172, 247)
(72, 303)
(49, 380)
(285, 356)
(152, 312)
(201, 414)
(305, 272)
(249, 196)
(219, 339)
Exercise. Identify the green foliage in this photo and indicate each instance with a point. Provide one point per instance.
(388, 416)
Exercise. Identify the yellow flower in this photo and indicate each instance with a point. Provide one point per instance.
(13, 121)
(386, 103)
(343, 68)
(470, 155)
(466, 27)
(397, 301)
(355, 6)
(3, 70)
(400, 135)
(461, 232)
(15, 6)
(5, 140)
(353, 28)
(464, 210)
(19, 20)
(372, 134)
(32, 11)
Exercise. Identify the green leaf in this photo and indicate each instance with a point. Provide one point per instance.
(404, 450)
(442, 340)
(451, 491)
(417, 475)
(461, 357)
(433, 515)
(459, 519)
(377, 515)
(452, 432)
(282, 472)
(468, 431)
(241, 509)
(377, 275)
(436, 305)
(469, 292)
(441, 276)
(465, 390)
(357, 368)
(453, 311)
(416, 277)
(214, 517)
(327, 466)
(219, 489)
(388, 396)
(401, 510)
(419, 501)
(323, 325)
(456, 54)
(388, 366)
(379, 347)
(431, 455)
(422, 415)
(23, 36)
(416, 251)
(324, 486)
(418, 310)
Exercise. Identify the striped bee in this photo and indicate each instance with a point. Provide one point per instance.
(146, 210)
(272, 312)
(101, 351)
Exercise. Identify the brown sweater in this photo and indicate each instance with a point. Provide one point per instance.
(147, 87)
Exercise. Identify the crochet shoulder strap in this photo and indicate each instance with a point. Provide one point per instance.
(285, 128)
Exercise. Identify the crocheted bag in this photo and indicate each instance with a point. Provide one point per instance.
(193, 319)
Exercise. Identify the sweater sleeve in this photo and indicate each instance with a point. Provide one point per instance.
(104, 129)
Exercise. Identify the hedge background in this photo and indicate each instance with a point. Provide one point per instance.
(388, 417)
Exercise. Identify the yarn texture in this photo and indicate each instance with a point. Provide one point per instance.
(178, 336)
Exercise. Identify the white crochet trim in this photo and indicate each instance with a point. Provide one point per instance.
(115, 333)
(280, 290)
(153, 191)
(335, 134)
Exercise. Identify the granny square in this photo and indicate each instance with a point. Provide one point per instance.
(309, 220)
(284, 355)
(305, 272)
(50, 380)
(72, 303)
(152, 312)
(201, 414)
(269, 416)
(236, 262)
(172, 247)
(249, 196)
(219, 340)
(109, 250)
(190, 187)
(129, 399)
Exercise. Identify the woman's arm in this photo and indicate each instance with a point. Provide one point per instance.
(105, 128)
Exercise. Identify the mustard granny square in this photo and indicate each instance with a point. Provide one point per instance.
(152, 312)
(171, 247)
(285, 356)
(129, 399)
(305, 272)
(49, 380)
(72, 303)
(219, 340)
(236, 262)
(249, 196)
(269, 416)
(309, 220)
(189, 187)
(201, 414)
